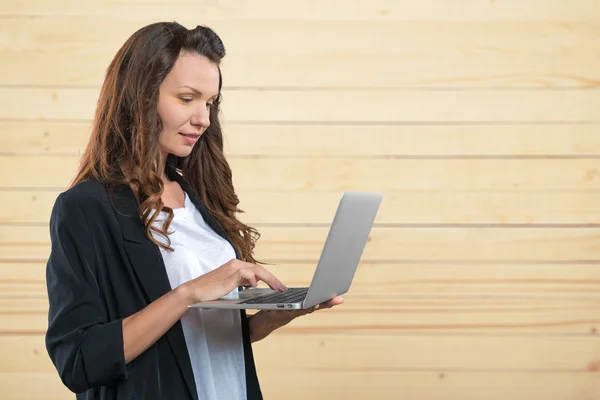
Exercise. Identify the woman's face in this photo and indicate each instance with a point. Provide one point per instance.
(184, 103)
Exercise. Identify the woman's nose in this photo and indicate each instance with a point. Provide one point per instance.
(202, 117)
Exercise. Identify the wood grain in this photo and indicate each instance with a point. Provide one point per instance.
(427, 385)
(329, 352)
(42, 138)
(292, 244)
(501, 299)
(311, 10)
(351, 106)
(344, 54)
(478, 122)
(294, 175)
(418, 385)
(400, 208)
(416, 281)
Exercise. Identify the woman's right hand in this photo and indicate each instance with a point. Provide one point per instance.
(145, 327)
(226, 278)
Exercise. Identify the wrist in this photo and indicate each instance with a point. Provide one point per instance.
(184, 294)
(261, 325)
(275, 319)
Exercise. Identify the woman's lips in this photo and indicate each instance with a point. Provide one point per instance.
(190, 138)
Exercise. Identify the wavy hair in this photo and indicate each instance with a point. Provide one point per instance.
(126, 129)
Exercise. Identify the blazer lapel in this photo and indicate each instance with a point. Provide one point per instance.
(149, 267)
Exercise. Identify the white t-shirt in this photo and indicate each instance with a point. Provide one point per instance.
(213, 337)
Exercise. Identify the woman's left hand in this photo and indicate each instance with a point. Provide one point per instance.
(282, 318)
(266, 321)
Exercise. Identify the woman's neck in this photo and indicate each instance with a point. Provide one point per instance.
(162, 162)
(128, 171)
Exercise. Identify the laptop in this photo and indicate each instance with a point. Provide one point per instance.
(335, 270)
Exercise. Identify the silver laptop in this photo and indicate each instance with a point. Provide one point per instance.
(339, 259)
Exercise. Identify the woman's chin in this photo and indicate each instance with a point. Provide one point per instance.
(181, 152)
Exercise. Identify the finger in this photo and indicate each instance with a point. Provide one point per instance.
(262, 274)
(297, 313)
(334, 302)
(330, 303)
(246, 278)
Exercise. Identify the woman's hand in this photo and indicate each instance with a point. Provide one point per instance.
(142, 329)
(264, 322)
(226, 278)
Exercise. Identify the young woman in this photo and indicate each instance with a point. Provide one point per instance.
(148, 227)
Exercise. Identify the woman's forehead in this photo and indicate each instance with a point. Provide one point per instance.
(195, 71)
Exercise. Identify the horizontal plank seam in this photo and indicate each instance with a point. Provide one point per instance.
(304, 191)
(337, 123)
(358, 156)
(346, 123)
(413, 333)
(465, 262)
(425, 226)
(358, 88)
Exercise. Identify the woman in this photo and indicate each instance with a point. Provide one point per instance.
(148, 227)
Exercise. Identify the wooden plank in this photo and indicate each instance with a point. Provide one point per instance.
(290, 140)
(18, 386)
(364, 314)
(304, 174)
(505, 281)
(402, 352)
(328, 10)
(425, 208)
(284, 106)
(384, 71)
(428, 385)
(408, 140)
(430, 283)
(26, 281)
(447, 298)
(316, 105)
(440, 243)
(344, 54)
(305, 352)
(416, 207)
(293, 244)
(461, 281)
(385, 385)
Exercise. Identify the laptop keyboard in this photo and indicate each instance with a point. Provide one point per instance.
(293, 295)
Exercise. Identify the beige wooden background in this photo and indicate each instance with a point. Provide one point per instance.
(477, 119)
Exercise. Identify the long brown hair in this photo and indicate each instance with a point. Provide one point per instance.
(127, 125)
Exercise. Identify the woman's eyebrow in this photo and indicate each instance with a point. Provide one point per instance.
(196, 90)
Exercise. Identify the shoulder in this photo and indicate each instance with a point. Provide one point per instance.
(84, 209)
(85, 190)
(87, 196)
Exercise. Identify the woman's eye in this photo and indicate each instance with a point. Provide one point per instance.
(185, 99)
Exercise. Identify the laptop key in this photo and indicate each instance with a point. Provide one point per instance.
(293, 295)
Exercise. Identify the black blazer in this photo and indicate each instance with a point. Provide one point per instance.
(103, 268)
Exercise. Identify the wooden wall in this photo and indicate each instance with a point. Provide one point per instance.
(477, 119)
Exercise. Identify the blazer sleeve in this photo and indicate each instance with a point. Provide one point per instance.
(86, 348)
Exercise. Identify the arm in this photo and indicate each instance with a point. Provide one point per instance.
(85, 347)
(262, 325)
(142, 329)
